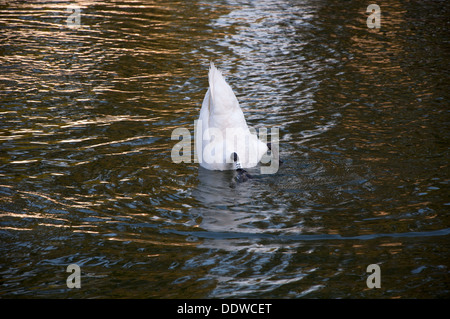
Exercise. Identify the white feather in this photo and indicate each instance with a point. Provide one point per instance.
(224, 129)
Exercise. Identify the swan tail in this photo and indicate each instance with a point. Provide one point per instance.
(222, 97)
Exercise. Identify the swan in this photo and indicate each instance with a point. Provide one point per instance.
(223, 140)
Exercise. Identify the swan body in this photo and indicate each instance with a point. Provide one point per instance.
(221, 129)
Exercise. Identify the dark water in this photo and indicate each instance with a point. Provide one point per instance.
(86, 175)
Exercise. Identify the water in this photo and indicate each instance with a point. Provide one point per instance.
(86, 175)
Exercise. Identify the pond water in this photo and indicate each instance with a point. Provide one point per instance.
(87, 111)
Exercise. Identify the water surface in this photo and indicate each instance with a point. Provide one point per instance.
(86, 177)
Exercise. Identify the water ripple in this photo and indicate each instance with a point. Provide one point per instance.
(86, 175)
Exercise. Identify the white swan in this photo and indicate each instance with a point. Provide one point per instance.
(223, 139)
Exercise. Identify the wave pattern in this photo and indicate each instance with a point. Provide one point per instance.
(86, 175)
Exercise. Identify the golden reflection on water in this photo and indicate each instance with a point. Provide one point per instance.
(86, 120)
